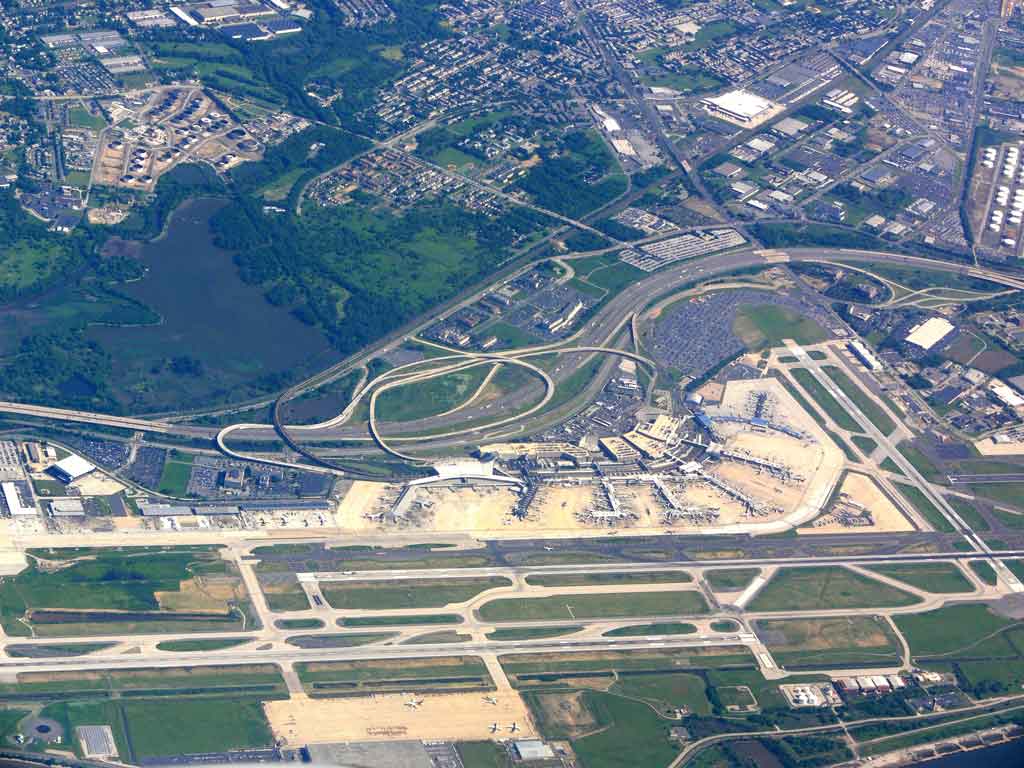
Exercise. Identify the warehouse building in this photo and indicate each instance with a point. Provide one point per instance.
(929, 333)
(865, 355)
(741, 108)
(13, 500)
(70, 469)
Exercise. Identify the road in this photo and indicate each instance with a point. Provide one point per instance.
(600, 330)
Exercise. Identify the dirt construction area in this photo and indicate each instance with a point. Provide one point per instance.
(384, 717)
(861, 492)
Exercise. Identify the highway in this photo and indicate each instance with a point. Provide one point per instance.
(599, 331)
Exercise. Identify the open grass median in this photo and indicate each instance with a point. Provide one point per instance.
(595, 606)
(531, 633)
(333, 677)
(597, 579)
(730, 579)
(969, 513)
(826, 588)
(644, 630)
(925, 507)
(211, 644)
(872, 410)
(399, 621)
(406, 593)
(920, 461)
(243, 679)
(830, 642)
(839, 415)
(937, 578)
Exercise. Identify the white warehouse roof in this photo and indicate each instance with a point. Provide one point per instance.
(741, 104)
(73, 467)
(1005, 394)
(929, 333)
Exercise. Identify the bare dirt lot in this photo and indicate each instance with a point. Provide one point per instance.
(445, 717)
(863, 490)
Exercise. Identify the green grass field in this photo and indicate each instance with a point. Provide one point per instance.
(431, 397)
(835, 643)
(440, 636)
(920, 461)
(766, 325)
(116, 579)
(874, 412)
(725, 625)
(410, 593)
(951, 629)
(969, 513)
(925, 507)
(299, 623)
(79, 117)
(531, 633)
(865, 444)
(482, 754)
(173, 727)
(400, 674)
(824, 398)
(398, 621)
(666, 691)
(730, 579)
(939, 578)
(285, 595)
(251, 679)
(177, 470)
(822, 588)
(593, 606)
(888, 465)
(641, 630)
(984, 571)
(634, 735)
(981, 648)
(212, 644)
(340, 640)
(593, 579)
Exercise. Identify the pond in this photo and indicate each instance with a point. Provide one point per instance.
(216, 333)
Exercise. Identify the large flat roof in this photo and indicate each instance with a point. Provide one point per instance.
(929, 333)
(742, 104)
(74, 466)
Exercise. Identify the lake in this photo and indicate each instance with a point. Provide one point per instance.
(1008, 755)
(208, 314)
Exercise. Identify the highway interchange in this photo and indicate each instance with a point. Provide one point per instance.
(601, 331)
(607, 332)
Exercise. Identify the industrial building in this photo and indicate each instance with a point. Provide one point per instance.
(741, 107)
(67, 508)
(70, 469)
(865, 355)
(929, 333)
(533, 749)
(13, 500)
